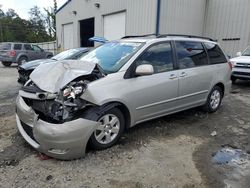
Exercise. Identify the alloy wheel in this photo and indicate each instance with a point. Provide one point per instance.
(108, 130)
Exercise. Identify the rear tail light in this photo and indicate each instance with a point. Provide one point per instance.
(12, 53)
(230, 65)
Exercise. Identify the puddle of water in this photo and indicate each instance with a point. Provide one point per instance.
(230, 156)
(239, 161)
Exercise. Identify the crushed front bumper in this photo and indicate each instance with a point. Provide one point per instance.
(63, 141)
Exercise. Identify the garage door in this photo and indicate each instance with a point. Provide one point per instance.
(115, 26)
(67, 36)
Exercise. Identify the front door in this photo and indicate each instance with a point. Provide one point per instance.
(155, 95)
(39, 53)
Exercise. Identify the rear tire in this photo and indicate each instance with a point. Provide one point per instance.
(22, 60)
(6, 64)
(109, 132)
(233, 79)
(214, 100)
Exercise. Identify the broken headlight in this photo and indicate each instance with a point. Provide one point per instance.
(68, 101)
(74, 91)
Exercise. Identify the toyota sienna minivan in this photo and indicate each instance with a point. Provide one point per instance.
(67, 105)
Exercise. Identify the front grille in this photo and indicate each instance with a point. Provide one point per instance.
(242, 73)
(243, 65)
(28, 130)
(28, 101)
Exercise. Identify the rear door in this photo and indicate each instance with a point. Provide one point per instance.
(195, 74)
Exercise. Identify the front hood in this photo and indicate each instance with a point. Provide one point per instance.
(54, 76)
(33, 64)
(241, 59)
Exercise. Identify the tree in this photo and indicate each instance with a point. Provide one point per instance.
(14, 28)
(38, 25)
(50, 20)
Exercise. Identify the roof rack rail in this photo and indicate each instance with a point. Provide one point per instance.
(187, 36)
(134, 36)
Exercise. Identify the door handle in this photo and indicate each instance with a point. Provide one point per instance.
(183, 74)
(172, 76)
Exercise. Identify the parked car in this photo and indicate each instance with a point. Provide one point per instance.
(11, 52)
(68, 104)
(241, 66)
(26, 69)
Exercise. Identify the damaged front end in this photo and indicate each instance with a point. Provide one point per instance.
(65, 105)
(62, 102)
(52, 118)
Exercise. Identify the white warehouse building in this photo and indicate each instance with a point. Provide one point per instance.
(224, 20)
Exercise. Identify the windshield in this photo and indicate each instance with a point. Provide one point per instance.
(66, 54)
(246, 52)
(112, 56)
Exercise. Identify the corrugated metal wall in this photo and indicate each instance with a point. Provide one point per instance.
(228, 19)
(140, 16)
(219, 19)
(182, 16)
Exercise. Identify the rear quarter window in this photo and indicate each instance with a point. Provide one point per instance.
(215, 54)
(5, 46)
(17, 46)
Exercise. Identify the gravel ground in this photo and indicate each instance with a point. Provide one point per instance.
(172, 151)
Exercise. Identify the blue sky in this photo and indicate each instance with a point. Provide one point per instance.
(22, 6)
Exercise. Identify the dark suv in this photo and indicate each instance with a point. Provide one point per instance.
(20, 53)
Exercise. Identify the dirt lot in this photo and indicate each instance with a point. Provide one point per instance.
(173, 151)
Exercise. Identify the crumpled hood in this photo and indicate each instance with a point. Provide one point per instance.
(33, 64)
(241, 59)
(54, 76)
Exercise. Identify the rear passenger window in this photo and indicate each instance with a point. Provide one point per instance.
(190, 54)
(215, 54)
(17, 46)
(159, 56)
(27, 47)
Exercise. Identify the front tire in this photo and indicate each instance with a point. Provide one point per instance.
(214, 100)
(6, 64)
(233, 79)
(109, 132)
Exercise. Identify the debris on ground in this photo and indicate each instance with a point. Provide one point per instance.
(214, 133)
(43, 157)
(49, 177)
(235, 91)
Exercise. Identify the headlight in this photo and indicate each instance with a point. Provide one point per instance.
(72, 91)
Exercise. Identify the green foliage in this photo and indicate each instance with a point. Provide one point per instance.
(39, 28)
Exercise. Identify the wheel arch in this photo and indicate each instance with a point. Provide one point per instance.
(222, 86)
(22, 55)
(122, 107)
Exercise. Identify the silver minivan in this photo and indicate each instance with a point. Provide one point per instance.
(67, 105)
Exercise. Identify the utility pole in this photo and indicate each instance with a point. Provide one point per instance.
(1, 28)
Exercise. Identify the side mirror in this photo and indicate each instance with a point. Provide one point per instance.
(238, 54)
(143, 70)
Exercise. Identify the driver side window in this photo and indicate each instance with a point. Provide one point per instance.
(36, 48)
(159, 56)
